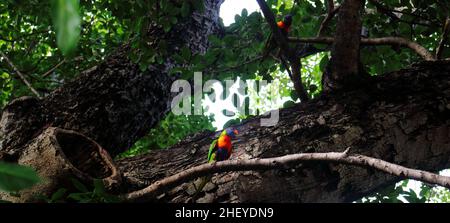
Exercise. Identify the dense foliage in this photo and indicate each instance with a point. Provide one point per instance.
(52, 41)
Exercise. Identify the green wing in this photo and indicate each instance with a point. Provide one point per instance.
(212, 150)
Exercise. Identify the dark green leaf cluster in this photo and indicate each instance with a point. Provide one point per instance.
(14, 178)
(80, 193)
(168, 132)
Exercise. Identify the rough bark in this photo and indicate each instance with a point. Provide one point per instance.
(403, 118)
(344, 64)
(59, 155)
(113, 103)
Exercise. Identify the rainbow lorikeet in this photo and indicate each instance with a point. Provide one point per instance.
(220, 150)
(271, 43)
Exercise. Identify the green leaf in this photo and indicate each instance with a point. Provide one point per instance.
(244, 13)
(294, 95)
(231, 123)
(186, 53)
(288, 104)
(185, 9)
(58, 195)
(81, 197)
(66, 21)
(198, 5)
(99, 187)
(78, 185)
(324, 63)
(14, 177)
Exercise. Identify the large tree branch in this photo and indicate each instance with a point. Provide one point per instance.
(21, 76)
(286, 51)
(115, 103)
(283, 162)
(399, 41)
(406, 124)
(444, 36)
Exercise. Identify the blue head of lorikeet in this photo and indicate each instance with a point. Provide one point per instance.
(232, 132)
(287, 20)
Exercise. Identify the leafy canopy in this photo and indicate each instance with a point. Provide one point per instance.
(52, 41)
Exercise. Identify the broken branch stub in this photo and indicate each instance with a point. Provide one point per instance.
(59, 155)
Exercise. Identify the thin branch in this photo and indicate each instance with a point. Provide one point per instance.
(24, 80)
(53, 68)
(250, 61)
(284, 47)
(420, 50)
(327, 20)
(389, 12)
(59, 64)
(444, 36)
(282, 162)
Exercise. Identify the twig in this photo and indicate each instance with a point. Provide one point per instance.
(283, 44)
(420, 50)
(445, 32)
(20, 75)
(327, 20)
(53, 68)
(167, 183)
(389, 12)
(239, 65)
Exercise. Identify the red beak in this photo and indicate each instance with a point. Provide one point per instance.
(236, 132)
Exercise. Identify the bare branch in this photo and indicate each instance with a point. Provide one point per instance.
(389, 12)
(53, 68)
(327, 20)
(420, 50)
(24, 80)
(283, 44)
(250, 61)
(160, 186)
(444, 36)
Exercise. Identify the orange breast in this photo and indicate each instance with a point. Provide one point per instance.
(224, 142)
(283, 27)
(280, 24)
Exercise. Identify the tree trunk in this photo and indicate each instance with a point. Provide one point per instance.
(344, 66)
(402, 118)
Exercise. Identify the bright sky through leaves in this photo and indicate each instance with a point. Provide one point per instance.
(230, 8)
